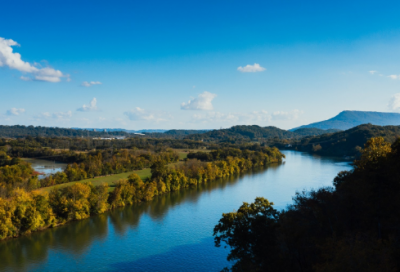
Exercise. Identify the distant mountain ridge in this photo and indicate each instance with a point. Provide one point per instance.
(252, 132)
(349, 119)
(184, 132)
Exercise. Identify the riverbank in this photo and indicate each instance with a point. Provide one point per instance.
(172, 232)
(58, 205)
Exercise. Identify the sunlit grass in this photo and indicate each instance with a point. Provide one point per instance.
(144, 173)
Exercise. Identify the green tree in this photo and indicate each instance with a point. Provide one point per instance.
(251, 232)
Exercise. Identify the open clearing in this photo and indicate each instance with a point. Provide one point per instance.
(110, 179)
(184, 152)
(144, 173)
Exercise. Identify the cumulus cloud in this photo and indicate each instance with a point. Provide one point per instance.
(62, 115)
(202, 102)
(394, 102)
(286, 115)
(233, 118)
(246, 118)
(14, 112)
(88, 84)
(251, 68)
(216, 117)
(91, 107)
(139, 114)
(393, 76)
(13, 61)
(373, 72)
(55, 115)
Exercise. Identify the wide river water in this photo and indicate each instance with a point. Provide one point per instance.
(171, 233)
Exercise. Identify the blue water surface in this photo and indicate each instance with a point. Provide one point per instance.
(171, 233)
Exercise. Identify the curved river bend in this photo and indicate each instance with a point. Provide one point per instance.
(172, 232)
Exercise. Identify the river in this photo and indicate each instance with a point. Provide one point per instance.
(171, 233)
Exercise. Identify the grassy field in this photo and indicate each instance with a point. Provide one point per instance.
(104, 179)
(145, 173)
(183, 152)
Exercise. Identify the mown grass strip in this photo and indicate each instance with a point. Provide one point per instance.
(144, 173)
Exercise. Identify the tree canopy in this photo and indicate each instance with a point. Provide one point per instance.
(352, 226)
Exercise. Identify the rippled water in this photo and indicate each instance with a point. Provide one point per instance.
(172, 232)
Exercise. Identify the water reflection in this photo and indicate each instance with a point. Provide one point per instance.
(163, 234)
(45, 167)
(76, 237)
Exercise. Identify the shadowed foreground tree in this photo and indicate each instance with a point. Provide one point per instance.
(353, 226)
(250, 231)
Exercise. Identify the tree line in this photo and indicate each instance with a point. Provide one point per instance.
(352, 226)
(24, 212)
(343, 143)
(46, 146)
(83, 166)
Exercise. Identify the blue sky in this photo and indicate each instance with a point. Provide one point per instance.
(196, 64)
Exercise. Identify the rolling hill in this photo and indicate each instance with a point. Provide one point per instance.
(255, 132)
(349, 119)
(344, 143)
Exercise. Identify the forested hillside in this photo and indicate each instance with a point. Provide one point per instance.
(254, 133)
(23, 209)
(184, 132)
(314, 131)
(353, 226)
(349, 119)
(343, 143)
(241, 133)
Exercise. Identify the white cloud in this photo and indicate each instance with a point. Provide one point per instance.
(139, 114)
(15, 111)
(62, 115)
(372, 72)
(13, 61)
(216, 117)
(238, 117)
(251, 68)
(88, 84)
(24, 78)
(255, 117)
(55, 115)
(202, 102)
(91, 107)
(286, 115)
(393, 76)
(394, 102)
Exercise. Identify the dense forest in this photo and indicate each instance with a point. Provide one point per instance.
(48, 146)
(184, 132)
(18, 131)
(352, 226)
(343, 143)
(23, 209)
(313, 131)
(237, 134)
(23, 131)
(233, 134)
